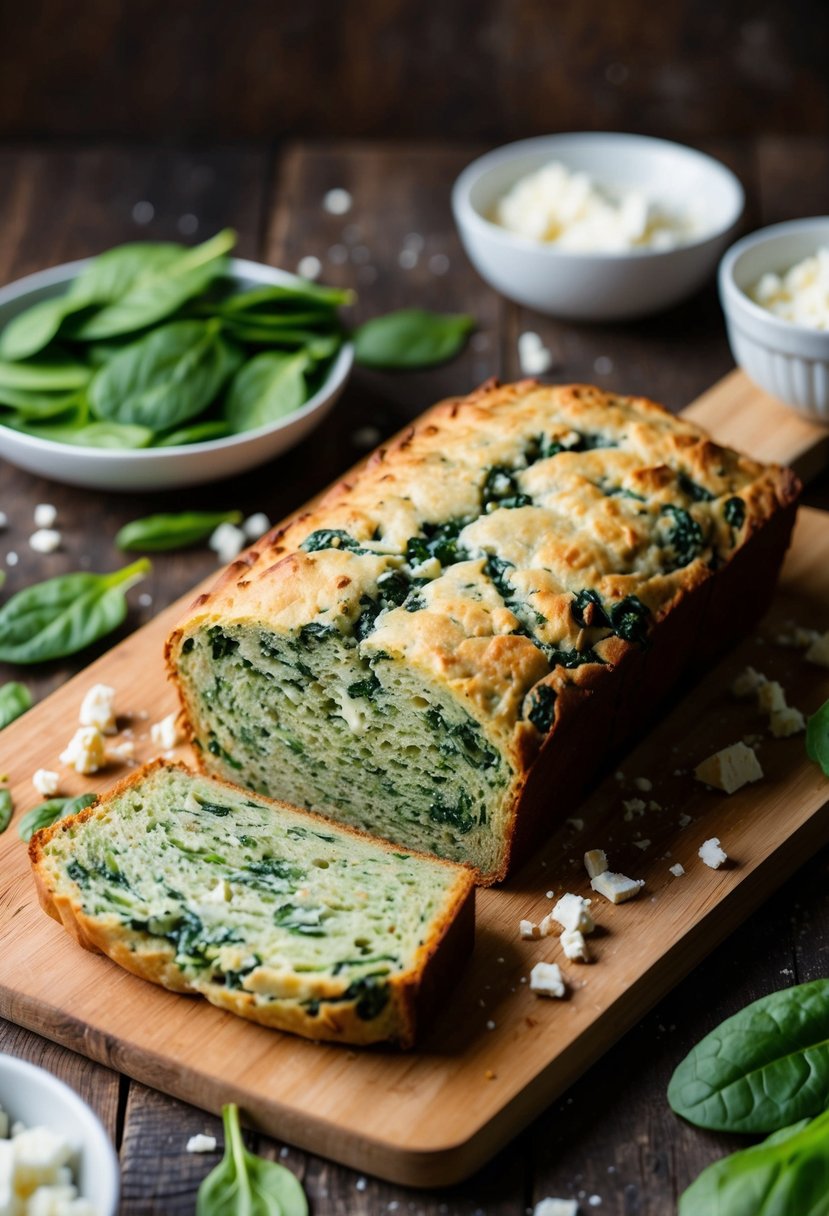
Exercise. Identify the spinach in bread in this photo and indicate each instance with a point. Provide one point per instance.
(260, 908)
(506, 553)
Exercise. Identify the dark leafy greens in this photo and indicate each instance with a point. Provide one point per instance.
(15, 699)
(245, 1184)
(49, 812)
(411, 338)
(817, 737)
(155, 533)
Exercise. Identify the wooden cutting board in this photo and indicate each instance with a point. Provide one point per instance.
(497, 1054)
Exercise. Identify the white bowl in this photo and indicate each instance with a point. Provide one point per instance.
(599, 286)
(38, 1099)
(162, 468)
(787, 360)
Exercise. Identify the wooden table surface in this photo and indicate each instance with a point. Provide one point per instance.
(613, 1137)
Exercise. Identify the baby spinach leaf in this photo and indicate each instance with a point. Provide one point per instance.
(44, 375)
(85, 434)
(268, 387)
(29, 404)
(159, 290)
(411, 337)
(245, 1183)
(785, 1175)
(165, 378)
(63, 615)
(306, 294)
(761, 1069)
(817, 737)
(31, 330)
(199, 432)
(113, 273)
(158, 532)
(47, 813)
(15, 699)
(6, 808)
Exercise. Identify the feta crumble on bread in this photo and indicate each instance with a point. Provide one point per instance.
(729, 769)
(574, 946)
(546, 979)
(618, 888)
(97, 709)
(712, 854)
(86, 750)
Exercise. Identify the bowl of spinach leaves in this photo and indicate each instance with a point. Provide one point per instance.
(156, 365)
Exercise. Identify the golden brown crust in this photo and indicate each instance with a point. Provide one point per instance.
(448, 945)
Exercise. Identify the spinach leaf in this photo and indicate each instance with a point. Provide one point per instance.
(268, 387)
(458, 816)
(158, 532)
(113, 273)
(34, 328)
(817, 737)
(308, 295)
(44, 375)
(411, 337)
(785, 1175)
(331, 538)
(85, 434)
(198, 432)
(629, 619)
(541, 707)
(159, 290)
(245, 1184)
(32, 405)
(165, 378)
(63, 615)
(763, 1068)
(734, 511)
(684, 535)
(15, 699)
(6, 808)
(47, 813)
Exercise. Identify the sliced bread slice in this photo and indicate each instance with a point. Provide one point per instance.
(265, 910)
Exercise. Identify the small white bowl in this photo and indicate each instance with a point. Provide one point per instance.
(599, 286)
(162, 468)
(789, 361)
(38, 1099)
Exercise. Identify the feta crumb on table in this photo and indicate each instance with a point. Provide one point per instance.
(256, 525)
(45, 540)
(677, 870)
(633, 807)
(97, 709)
(729, 769)
(571, 912)
(747, 682)
(86, 751)
(643, 783)
(201, 1143)
(712, 854)
(618, 888)
(546, 979)
(595, 862)
(529, 930)
(574, 946)
(46, 782)
(818, 651)
(45, 515)
(227, 542)
(166, 734)
(770, 697)
(786, 722)
(533, 356)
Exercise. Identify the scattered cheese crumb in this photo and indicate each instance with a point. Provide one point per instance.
(786, 722)
(45, 515)
(546, 979)
(654, 806)
(633, 807)
(595, 862)
(574, 946)
(490, 1025)
(795, 636)
(85, 752)
(46, 782)
(12, 559)
(818, 651)
(96, 709)
(643, 783)
(45, 540)
(556, 1207)
(337, 201)
(256, 525)
(529, 929)
(227, 542)
(571, 912)
(770, 697)
(123, 751)
(729, 769)
(165, 734)
(533, 356)
(201, 1144)
(677, 870)
(711, 853)
(684, 820)
(576, 824)
(618, 888)
(309, 267)
(747, 682)
(642, 844)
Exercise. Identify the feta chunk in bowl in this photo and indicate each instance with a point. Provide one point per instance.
(72, 1137)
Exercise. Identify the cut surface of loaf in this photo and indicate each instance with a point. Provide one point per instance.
(264, 910)
(402, 656)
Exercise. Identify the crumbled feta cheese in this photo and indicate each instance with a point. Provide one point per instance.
(337, 201)
(729, 769)
(643, 783)
(256, 525)
(39, 1152)
(45, 515)
(309, 267)
(574, 946)
(221, 893)
(633, 808)
(818, 651)
(51, 1201)
(677, 870)
(227, 542)
(86, 751)
(45, 540)
(800, 295)
(123, 751)
(747, 682)
(618, 888)
(572, 912)
(533, 356)
(166, 734)
(795, 636)
(556, 1207)
(570, 210)
(770, 697)
(12, 559)
(529, 929)
(787, 721)
(642, 844)
(595, 862)
(711, 853)
(654, 806)
(46, 782)
(201, 1144)
(576, 824)
(546, 979)
(97, 709)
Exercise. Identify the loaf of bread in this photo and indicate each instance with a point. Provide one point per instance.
(265, 910)
(448, 648)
